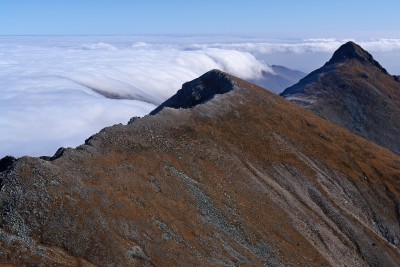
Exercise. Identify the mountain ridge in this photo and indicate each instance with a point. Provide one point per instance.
(243, 178)
(356, 92)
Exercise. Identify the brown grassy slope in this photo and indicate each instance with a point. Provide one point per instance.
(246, 178)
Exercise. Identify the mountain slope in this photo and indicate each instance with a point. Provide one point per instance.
(354, 91)
(241, 177)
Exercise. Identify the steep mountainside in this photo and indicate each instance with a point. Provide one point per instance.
(356, 92)
(242, 177)
(281, 79)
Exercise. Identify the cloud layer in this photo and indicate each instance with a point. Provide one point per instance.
(49, 85)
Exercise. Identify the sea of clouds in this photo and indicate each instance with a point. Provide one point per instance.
(53, 88)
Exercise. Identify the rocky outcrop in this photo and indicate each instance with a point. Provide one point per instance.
(6, 162)
(351, 51)
(199, 91)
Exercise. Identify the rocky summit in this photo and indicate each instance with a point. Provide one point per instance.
(351, 51)
(356, 92)
(198, 91)
(225, 173)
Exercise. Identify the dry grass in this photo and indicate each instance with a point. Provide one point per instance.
(246, 178)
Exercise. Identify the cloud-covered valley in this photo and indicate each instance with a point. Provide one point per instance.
(52, 88)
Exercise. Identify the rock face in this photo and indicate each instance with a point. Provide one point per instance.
(6, 162)
(351, 51)
(198, 91)
(239, 178)
(354, 91)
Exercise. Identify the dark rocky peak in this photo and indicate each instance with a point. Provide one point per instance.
(348, 51)
(199, 91)
(352, 51)
(6, 162)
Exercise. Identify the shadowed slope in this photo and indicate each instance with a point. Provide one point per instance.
(243, 178)
(356, 92)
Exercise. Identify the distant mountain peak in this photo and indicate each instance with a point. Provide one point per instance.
(348, 51)
(354, 91)
(352, 51)
(199, 90)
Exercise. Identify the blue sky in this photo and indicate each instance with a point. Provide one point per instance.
(274, 18)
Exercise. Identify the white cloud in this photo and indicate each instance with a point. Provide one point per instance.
(46, 99)
(326, 45)
(381, 45)
(99, 46)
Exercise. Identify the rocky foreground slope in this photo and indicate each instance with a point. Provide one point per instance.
(242, 177)
(354, 91)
